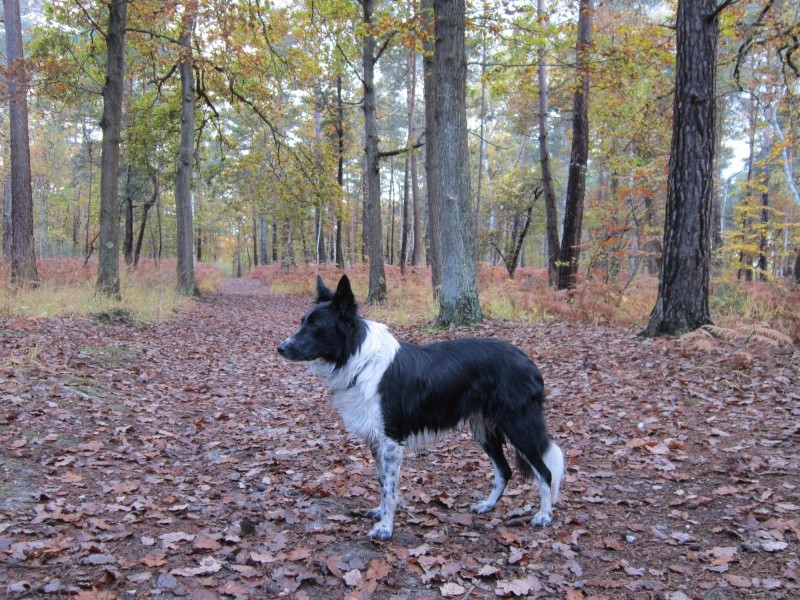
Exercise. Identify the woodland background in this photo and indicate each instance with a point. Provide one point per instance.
(278, 151)
(155, 446)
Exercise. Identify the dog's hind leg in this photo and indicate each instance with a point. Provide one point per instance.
(390, 459)
(492, 442)
(528, 435)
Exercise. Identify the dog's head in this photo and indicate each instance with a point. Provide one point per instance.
(331, 330)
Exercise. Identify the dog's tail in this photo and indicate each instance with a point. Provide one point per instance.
(553, 459)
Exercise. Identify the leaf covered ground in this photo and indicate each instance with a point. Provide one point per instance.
(187, 460)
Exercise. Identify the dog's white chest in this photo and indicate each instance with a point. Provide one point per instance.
(360, 412)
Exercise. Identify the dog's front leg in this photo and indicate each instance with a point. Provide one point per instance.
(389, 457)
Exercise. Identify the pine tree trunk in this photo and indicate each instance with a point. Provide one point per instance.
(23, 254)
(340, 168)
(458, 302)
(263, 241)
(145, 210)
(682, 303)
(373, 229)
(553, 245)
(7, 217)
(183, 179)
(576, 182)
(127, 244)
(433, 224)
(111, 124)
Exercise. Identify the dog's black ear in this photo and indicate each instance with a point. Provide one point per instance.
(344, 296)
(323, 292)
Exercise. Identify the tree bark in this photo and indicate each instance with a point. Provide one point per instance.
(458, 302)
(145, 210)
(111, 124)
(579, 158)
(763, 239)
(339, 169)
(433, 224)
(127, 244)
(23, 254)
(682, 303)
(553, 244)
(7, 238)
(263, 241)
(183, 179)
(372, 213)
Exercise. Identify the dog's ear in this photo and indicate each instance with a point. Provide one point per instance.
(344, 297)
(323, 292)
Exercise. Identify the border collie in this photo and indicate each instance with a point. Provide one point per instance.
(393, 393)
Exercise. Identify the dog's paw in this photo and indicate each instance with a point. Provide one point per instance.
(381, 531)
(373, 513)
(481, 508)
(542, 519)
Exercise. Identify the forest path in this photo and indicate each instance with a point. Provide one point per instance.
(187, 459)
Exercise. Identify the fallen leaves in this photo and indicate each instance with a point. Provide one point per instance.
(201, 464)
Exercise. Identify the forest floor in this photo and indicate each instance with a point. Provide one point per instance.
(187, 459)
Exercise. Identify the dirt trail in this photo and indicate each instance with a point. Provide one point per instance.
(186, 459)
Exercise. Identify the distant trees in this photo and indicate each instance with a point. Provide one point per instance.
(288, 144)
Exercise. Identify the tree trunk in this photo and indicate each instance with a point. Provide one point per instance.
(763, 240)
(255, 237)
(553, 245)
(263, 241)
(433, 223)
(797, 265)
(372, 217)
(458, 302)
(7, 238)
(339, 169)
(127, 244)
(576, 182)
(682, 303)
(111, 124)
(145, 210)
(183, 179)
(274, 238)
(76, 215)
(481, 143)
(23, 254)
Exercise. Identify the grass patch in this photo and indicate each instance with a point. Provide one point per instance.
(528, 298)
(67, 289)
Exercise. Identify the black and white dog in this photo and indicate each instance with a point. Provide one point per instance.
(393, 393)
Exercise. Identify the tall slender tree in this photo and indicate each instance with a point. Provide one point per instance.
(433, 223)
(458, 301)
(372, 210)
(682, 303)
(111, 124)
(23, 255)
(553, 245)
(579, 158)
(187, 284)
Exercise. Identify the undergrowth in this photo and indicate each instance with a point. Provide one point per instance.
(735, 305)
(67, 288)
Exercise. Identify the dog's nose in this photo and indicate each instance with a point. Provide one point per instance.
(282, 348)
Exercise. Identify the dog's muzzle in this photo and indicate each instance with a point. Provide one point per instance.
(283, 345)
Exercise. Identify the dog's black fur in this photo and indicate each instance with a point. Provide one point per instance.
(393, 394)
